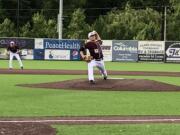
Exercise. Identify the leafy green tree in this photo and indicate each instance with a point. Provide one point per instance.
(25, 12)
(9, 9)
(38, 26)
(173, 23)
(7, 29)
(51, 29)
(41, 28)
(25, 30)
(149, 27)
(78, 28)
(112, 24)
(2, 16)
(130, 24)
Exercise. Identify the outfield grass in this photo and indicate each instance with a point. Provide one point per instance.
(80, 65)
(138, 129)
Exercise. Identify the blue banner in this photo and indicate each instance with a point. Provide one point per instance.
(75, 55)
(125, 50)
(24, 43)
(39, 54)
(62, 44)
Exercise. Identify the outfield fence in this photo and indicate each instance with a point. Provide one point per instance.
(114, 50)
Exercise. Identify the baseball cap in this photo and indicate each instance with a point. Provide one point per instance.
(91, 34)
(12, 42)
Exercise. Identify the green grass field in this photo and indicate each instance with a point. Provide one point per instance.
(78, 65)
(145, 129)
(20, 101)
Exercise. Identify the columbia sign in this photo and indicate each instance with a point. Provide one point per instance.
(123, 47)
(124, 50)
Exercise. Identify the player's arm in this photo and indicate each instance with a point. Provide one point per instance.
(8, 50)
(82, 51)
(82, 54)
(18, 50)
(97, 35)
(98, 38)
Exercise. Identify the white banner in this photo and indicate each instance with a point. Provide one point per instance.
(151, 50)
(107, 50)
(57, 54)
(3, 53)
(151, 47)
(27, 54)
(39, 43)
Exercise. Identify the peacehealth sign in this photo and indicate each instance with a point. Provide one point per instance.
(61, 44)
(56, 49)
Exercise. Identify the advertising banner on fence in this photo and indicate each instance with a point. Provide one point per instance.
(27, 54)
(124, 50)
(107, 50)
(172, 51)
(75, 54)
(62, 44)
(24, 43)
(3, 53)
(55, 54)
(38, 54)
(151, 50)
(39, 43)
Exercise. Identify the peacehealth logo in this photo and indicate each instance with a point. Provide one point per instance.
(61, 44)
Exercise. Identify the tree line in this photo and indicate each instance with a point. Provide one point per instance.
(123, 20)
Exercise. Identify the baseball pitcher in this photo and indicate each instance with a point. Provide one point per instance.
(95, 57)
(13, 51)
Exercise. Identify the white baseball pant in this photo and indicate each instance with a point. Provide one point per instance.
(100, 65)
(11, 56)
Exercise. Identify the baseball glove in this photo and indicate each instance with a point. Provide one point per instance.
(88, 58)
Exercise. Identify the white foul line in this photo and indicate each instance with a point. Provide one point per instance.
(81, 120)
(115, 78)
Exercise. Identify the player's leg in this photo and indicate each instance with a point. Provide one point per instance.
(100, 65)
(91, 71)
(19, 60)
(11, 55)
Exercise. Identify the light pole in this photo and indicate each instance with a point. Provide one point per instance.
(165, 16)
(17, 25)
(60, 17)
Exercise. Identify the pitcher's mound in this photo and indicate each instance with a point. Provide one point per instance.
(108, 85)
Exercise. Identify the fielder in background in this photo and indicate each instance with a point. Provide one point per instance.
(95, 58)
(13, 51)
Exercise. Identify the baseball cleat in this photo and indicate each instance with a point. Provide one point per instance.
(105, 77)
(92, 82)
